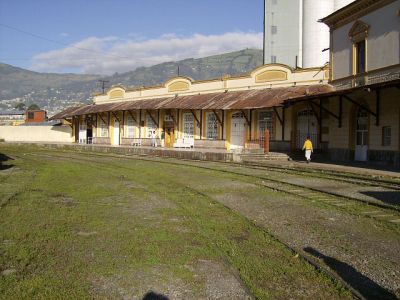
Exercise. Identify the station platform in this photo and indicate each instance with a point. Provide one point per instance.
(360, 168)
(221, 155)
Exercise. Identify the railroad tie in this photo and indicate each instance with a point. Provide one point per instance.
(342, 204)
(371, 212)
(397, 221)
(383, 216)
(335, 201)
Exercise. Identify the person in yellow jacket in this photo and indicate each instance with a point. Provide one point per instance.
(309, 148)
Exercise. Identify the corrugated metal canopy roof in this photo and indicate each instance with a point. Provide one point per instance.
(66, 112)
(248, 99)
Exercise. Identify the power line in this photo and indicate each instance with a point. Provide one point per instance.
(58, 42)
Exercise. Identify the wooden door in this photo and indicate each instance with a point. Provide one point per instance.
(169, 137)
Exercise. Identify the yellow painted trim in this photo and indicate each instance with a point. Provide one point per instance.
(228, 130)
(366, 54)
(271, 75)
(255, 124)
(178, 86)
(111, 130)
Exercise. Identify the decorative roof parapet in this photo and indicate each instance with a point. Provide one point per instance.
(353, 11)
(271, 76)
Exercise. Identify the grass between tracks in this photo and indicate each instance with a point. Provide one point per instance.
(104, 228)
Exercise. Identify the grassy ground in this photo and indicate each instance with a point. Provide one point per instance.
(104, 228)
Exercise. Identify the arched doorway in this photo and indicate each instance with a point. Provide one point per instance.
(361, 149)
(238, 131)
(307, 125)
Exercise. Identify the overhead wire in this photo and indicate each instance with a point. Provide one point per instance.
(58, 42)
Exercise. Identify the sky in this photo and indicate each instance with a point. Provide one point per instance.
(108, 36)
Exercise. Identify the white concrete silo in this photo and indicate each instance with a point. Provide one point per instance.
(341, 3)
(315, 34)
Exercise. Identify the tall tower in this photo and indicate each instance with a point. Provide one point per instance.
(291, 29)
(282, 27)
(341, 3)
(315, 34)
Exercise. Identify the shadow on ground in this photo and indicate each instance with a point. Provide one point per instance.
(389, 197)
(4, 158)
(154, 296)
(361, 283)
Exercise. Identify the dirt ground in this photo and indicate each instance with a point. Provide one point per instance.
(359, 249)
(105, 227)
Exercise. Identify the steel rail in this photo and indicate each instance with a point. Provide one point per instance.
(312, 261)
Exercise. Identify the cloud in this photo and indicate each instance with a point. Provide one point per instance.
(111, 54)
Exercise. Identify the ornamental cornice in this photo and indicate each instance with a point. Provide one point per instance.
(353, 11)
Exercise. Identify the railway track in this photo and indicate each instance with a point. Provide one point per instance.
(376, 181)
(296, 252)
(382, 212)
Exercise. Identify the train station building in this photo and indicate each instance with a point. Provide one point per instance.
(229, 113)
(350, 108)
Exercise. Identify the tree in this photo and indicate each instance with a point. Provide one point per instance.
(33, 106)
(20, 106)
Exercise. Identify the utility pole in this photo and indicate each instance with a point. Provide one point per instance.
(103, 84)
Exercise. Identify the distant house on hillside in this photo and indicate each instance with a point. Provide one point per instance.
(35, 116)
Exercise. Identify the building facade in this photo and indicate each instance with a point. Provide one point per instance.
(230, 113)
(12, 117)
(365, 71)
(35, 116)
(351, 110)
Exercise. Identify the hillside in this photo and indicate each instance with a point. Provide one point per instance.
(16, 82)
(53, 91)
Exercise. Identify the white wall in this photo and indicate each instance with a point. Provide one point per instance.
(55, 134)
(342, 51)
(383, 42)
(315, 34)
(383, 37)
(285, 15)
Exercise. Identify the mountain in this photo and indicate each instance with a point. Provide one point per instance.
(233, 63)
(16, 82)
(54, 92)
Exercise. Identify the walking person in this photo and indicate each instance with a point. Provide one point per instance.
(153, 138)
(308, 146)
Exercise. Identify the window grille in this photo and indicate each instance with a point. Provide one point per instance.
(386, 136)
(188, 126)
(151, 126)
(130, 129)
(103, 128)
(212, 126)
